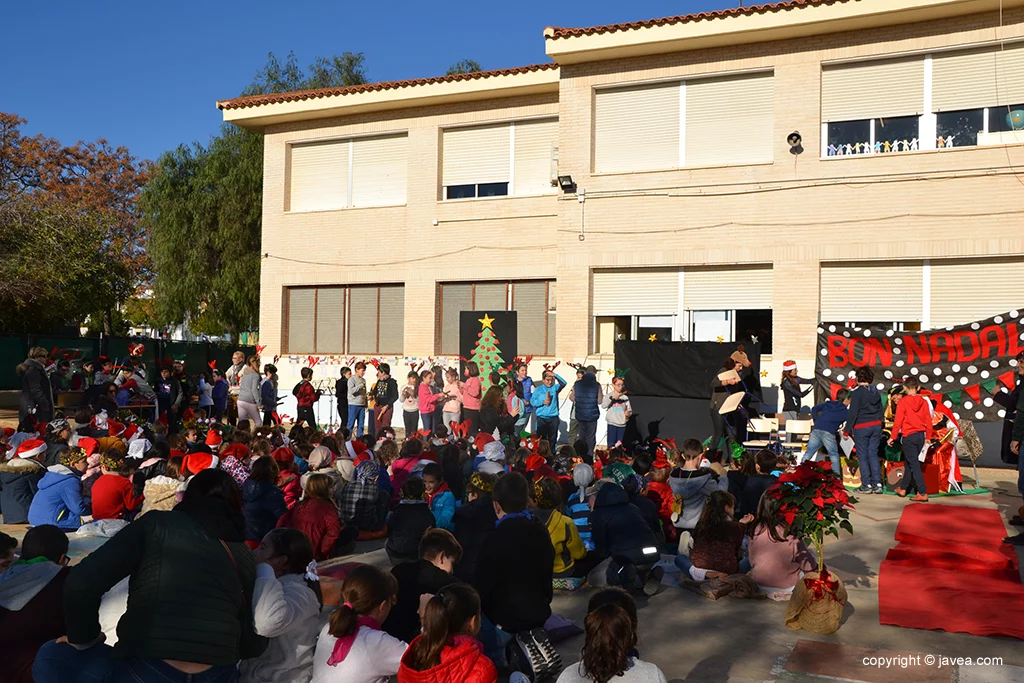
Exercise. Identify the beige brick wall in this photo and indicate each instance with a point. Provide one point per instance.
(793, 213)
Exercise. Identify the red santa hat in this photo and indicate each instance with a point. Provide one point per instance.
(30, 448)
(482, 439)
(357, 450)
(195, 463)
(283, 455)
(789, 365)
(213, 439)
(8, 432)
(239, 450)
(115, 428)
(131, 433)
(88, 444)
(535, 462)
(99, 420)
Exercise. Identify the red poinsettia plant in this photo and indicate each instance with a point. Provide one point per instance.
(813, 503)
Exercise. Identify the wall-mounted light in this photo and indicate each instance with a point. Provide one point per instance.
(794, 139)
(565, 182)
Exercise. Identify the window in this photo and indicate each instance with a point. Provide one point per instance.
(344, 319)
(960, 128)
(499, 160)
(534, 300)
(732, 326)
(698, 122)
(340, 174)
(872, 291)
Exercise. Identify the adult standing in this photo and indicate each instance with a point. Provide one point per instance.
(864, 423)
(190, 614)
(587, 396)
(36, 393)
(792, 400)
(247, 406)
(545, 404)
(234, 378)
(721, 389)
(385, 393)
(357, 400)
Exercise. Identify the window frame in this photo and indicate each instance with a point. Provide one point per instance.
(509, 306)
(346, 316)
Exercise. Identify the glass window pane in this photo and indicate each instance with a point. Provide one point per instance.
(1002, 119)
(849, 137)
(493, 189)
(710, 325)
(461, 191)
(959, 128)
(896, 134)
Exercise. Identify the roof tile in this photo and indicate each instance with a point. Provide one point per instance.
(555, 33)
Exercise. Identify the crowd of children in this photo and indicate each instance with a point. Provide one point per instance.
(481, 525)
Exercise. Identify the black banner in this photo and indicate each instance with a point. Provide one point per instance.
(681, 369)
(966, 367)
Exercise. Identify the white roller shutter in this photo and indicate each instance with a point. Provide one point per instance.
(870, 90)
(490, 296)
(318, 176)
(636, 291)
(534, 144)
(392, 319)
(530, 301)
(380, 167)
(300, 319)
(636, 128)
(872, 292)
(455, 298)
(476, 155)
(972, 79)
(330, 320)
(730, 120)
(728, 288)
(965, 290)
(362, 320)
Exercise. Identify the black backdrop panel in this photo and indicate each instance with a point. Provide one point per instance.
(504, 327)
(679, 369)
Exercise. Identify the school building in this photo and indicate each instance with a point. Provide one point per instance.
(754, 170)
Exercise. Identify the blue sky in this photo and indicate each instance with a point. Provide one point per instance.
(147, 74)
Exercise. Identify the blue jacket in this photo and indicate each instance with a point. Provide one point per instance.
(19, 481)
(865, 407)
(59, 499)
(528, 393)
(586, 395)
(829, 415)
(541, 391)
(264, 505)
(268, 395)
(219, 395)
(443, 507)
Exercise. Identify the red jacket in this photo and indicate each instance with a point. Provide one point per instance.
(461, 662)
(661, 493)
(912, 416)
(292, 487)
(305, 394)
(112, 498)
(319, 520)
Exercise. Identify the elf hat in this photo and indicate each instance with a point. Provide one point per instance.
(195, 463)
(115, 428)
(213, 439)
(30, 448)
(789, 365)
(88, 444)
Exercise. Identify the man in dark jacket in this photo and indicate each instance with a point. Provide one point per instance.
(587, 395)
(32, 601)
(191, 580)
(864, 423)
(621, 535)
(36, 403)
(513, 575)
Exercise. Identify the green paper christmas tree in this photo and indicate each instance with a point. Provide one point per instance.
(487, 351)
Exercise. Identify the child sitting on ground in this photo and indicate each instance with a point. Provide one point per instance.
(776, 559)
(448, 649)
(438, 553)
(408, 523)
(112, 495)
(717, 541)
(691, 485)
(264, 501)
(352, 648)
(286, 604)
(288, 479)
(440, 499)
(565, 538)
(162, 491)
(766, 462)
(317, 517)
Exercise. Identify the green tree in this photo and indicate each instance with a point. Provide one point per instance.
(465, 66)
(204, 205)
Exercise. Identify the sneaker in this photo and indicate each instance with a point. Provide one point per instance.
(533, 662)
(551, 656)
(518, 677)
(877, 488)
(653, 583)
(865, 488)
(628, 578)
(1015, 540)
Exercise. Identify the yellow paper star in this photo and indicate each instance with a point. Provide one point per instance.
(653, 337)
(486, 321)
(721, 339)
(764, 373)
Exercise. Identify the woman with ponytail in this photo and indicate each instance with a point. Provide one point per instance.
(352, 648)
(286, 603)
(448, 651)
(608, 654)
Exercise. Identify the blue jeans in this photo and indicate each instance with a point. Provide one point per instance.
(615, 434)
(547, 428)
(62, 663)
(494, 640)
(684, 564)
(819, 438)
(913, 477)
(867, 440)
(356, 416)
(428, 421)
(588, 435)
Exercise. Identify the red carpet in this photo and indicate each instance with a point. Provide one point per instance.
(951, 571)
